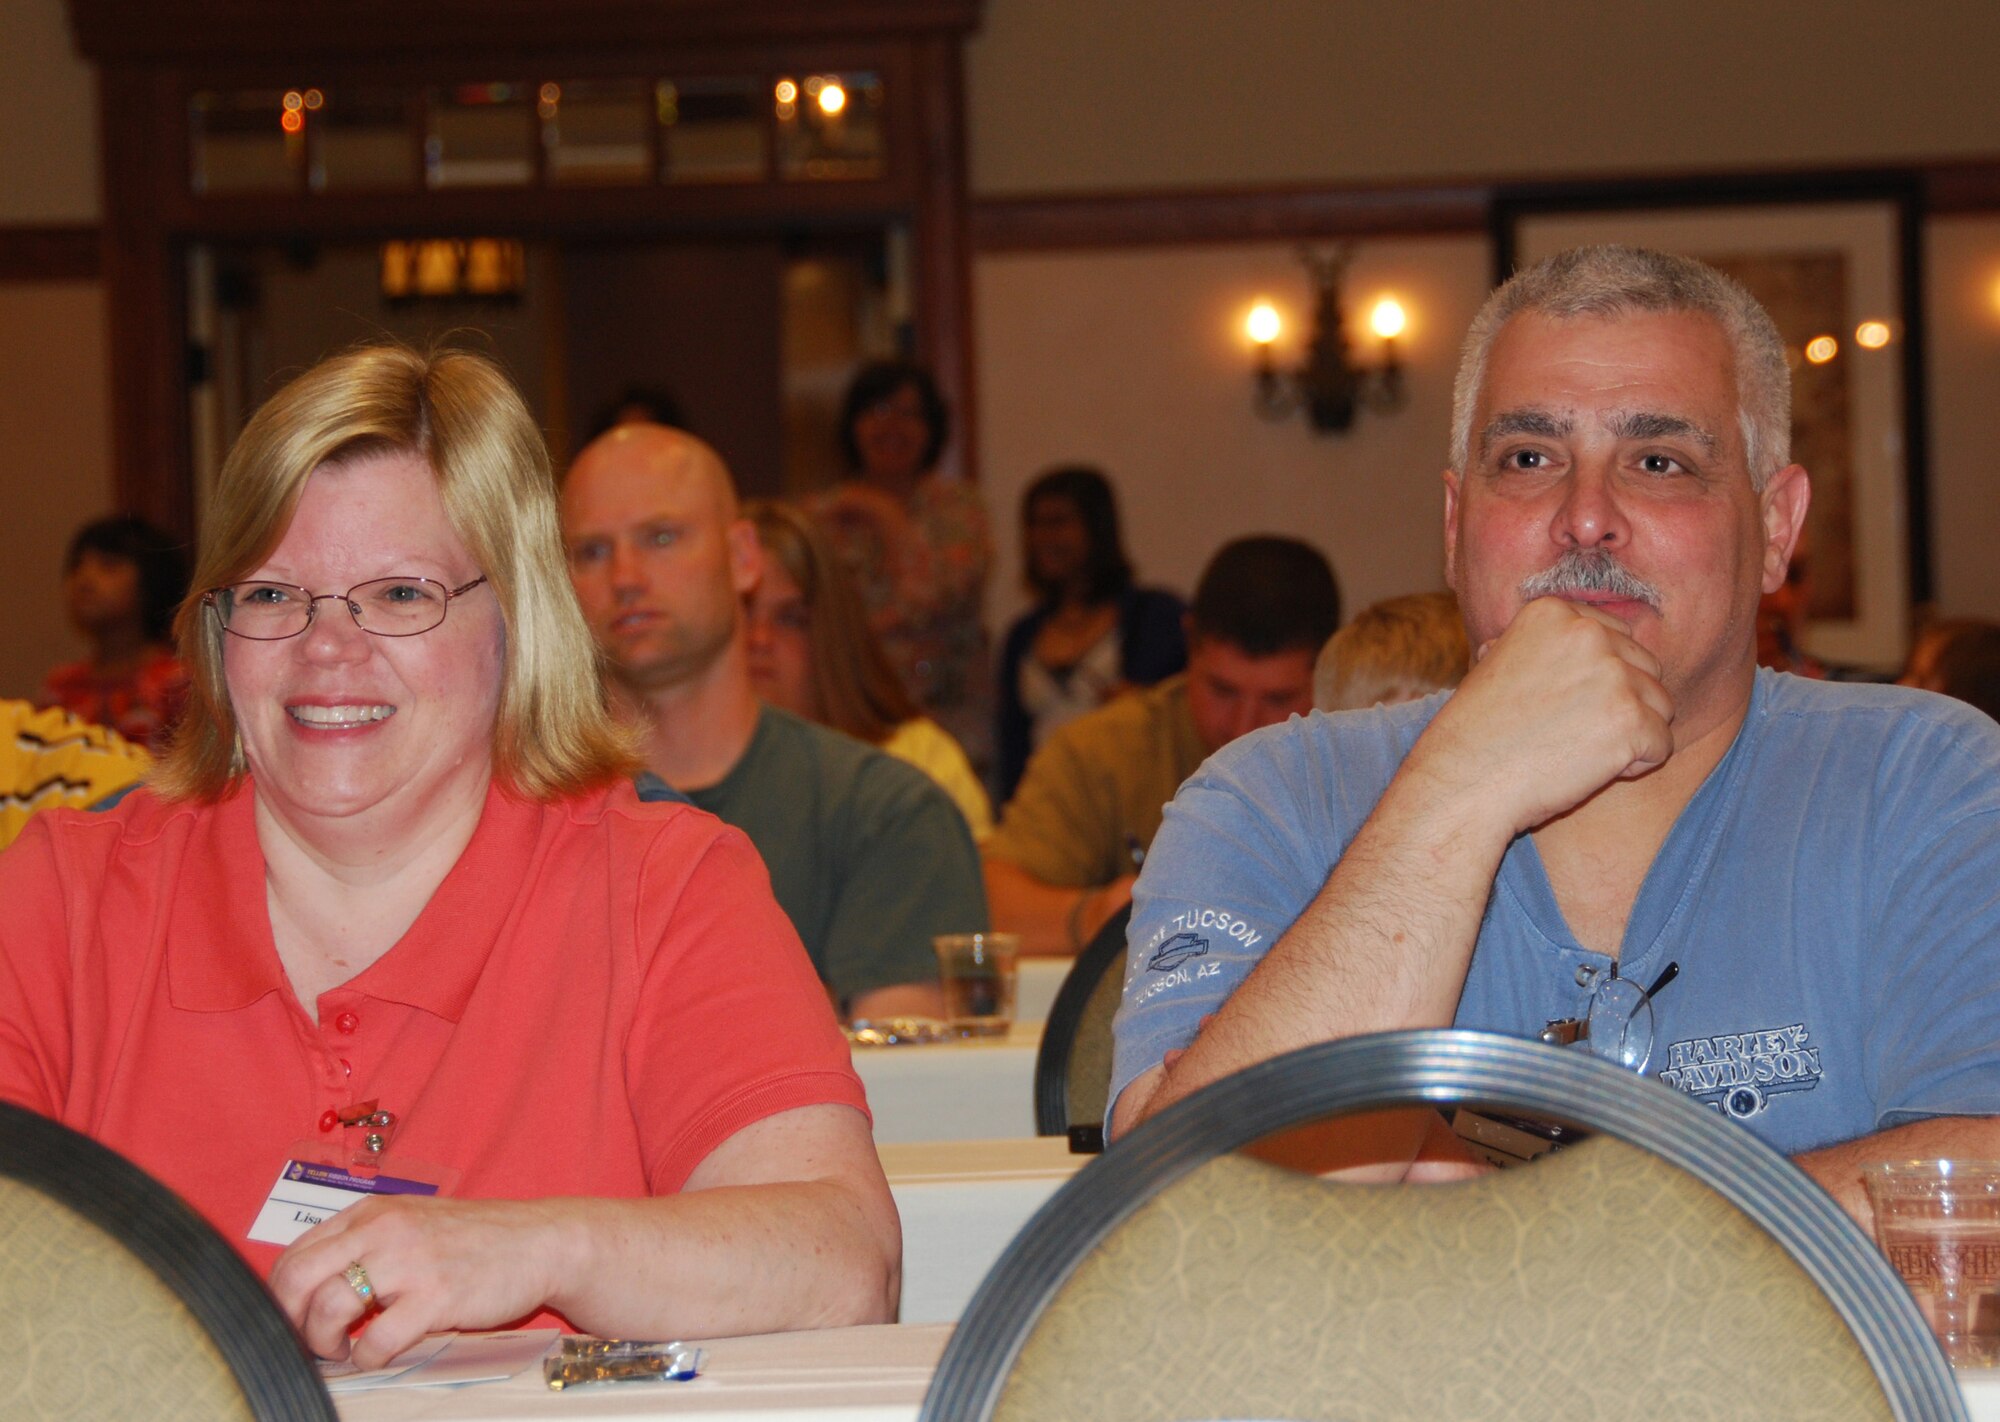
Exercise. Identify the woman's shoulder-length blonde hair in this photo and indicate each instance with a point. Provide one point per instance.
(553, 734)
(859, 693)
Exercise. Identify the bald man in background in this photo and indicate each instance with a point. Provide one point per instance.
(867, 855)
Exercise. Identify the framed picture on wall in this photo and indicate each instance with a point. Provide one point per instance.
(1837, 265)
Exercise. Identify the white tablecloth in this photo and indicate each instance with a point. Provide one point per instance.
(838, 1375)
(1037, 982)
(961, 1203)
(975, 1090)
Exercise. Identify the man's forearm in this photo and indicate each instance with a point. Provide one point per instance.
(1563, 704)
(1052, 920)
(1384, 945)
(736, 1262)
(1837, 1169)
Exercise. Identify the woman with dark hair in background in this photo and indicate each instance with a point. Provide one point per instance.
(123, 578)
(812, 654)
(1092, 632)
(916, 545)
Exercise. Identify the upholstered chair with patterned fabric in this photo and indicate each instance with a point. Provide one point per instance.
(1670, 1266)
(117, 1301)
(1073, 1064)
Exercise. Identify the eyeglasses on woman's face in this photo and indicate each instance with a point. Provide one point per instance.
(381, 607)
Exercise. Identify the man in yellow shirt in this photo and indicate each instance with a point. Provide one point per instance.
(1069, 844)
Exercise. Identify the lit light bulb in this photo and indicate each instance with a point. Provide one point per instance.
(1263, 324)
(1388, 318)
(1872, 335)
(787, 91)
(832, 98)
(1821, 349)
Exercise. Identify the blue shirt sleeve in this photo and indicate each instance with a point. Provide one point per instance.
(1245, 847)
(1933, 1036)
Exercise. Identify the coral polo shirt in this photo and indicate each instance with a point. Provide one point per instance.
(598, 994)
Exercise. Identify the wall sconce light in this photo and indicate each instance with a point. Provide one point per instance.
(1329, 385)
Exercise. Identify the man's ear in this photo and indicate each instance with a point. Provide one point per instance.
(746, 556)
(1784, 503)
(1451, 485)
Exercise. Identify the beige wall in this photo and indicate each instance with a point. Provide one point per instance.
(1153, 383)
(1137, 361)
(1120, 94)
(54, 404)
(1164, 94)
(48, 118)
(55, 434)
(1191, 93)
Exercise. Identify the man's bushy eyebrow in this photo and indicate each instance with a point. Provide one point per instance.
(1507, 423)
(1648, 424)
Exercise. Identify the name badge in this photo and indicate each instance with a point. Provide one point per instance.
(307, 1194)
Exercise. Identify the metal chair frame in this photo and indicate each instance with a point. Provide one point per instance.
(1100, 955)
(1436, 1068)
(277, 1376)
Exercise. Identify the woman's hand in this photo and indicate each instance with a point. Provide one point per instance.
(788, 1223)
(434, 1265)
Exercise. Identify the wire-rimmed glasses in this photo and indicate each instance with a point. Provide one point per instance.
(1616, 1022)
(382, 607)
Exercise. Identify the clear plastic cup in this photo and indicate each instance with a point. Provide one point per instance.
(977, 971)
(1938, 1221)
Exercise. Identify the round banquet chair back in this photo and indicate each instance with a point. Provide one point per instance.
(1673, 1265)
(1073, 1064)
(118, 1301)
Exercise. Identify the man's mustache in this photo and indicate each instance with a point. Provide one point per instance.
(1590, 571)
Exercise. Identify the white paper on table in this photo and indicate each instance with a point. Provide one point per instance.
(451, 1360)
(343, 1376)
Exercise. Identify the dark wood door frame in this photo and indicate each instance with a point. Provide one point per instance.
(152, 55)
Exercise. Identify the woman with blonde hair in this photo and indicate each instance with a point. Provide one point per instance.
(813, 654)
(392, 923)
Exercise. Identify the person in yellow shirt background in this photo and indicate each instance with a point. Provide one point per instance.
(49, 758)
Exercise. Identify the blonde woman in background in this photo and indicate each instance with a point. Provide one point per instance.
(1399, 649)
(812, 653)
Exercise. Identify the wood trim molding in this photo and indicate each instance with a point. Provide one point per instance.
(1955, 188)
(1289, 213)
(37, 252)
(197, 31)
(32, 252)
(1017, 224)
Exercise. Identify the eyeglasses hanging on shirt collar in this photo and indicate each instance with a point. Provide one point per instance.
(1616, 1022)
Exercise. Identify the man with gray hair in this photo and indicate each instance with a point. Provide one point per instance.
(1615, 799)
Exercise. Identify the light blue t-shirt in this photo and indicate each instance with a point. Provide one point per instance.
(1831, 894)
